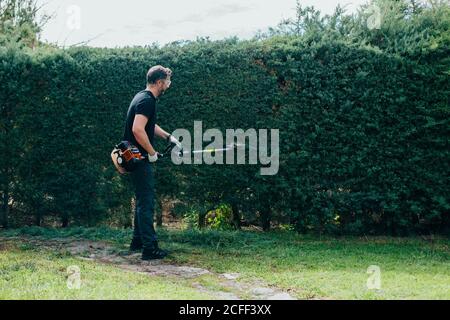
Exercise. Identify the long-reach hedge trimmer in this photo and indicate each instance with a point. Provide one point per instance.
(228, 147)
(126, 156)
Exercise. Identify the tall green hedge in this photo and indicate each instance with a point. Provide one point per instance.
(363, 135)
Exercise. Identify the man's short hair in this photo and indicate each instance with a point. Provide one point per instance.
(158, 73)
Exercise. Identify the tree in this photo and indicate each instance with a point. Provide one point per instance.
(415, 29)
(409, 28)
(20, 23)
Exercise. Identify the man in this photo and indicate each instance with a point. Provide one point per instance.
(140, 130)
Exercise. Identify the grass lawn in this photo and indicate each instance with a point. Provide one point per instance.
(307, 267)
(26, 273)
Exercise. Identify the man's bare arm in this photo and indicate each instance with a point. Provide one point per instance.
(140, 134)
(161, 133)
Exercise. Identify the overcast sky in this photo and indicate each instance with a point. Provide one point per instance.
(109, 23)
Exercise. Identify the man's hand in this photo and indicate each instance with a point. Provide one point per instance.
(172, 139)
(153, 158)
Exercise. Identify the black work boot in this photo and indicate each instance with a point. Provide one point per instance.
(136, 245)
(153, 252)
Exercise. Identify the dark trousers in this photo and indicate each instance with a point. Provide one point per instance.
(144, 184)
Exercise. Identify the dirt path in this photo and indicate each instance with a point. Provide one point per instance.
(103, 252)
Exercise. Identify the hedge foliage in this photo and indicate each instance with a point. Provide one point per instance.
(364, 135)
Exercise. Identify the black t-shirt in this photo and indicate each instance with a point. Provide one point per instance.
(143, 103)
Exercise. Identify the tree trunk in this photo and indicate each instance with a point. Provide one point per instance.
(65, 221)
(266, 216)
(202, 217)
(236, 216)
(159, 213)
(5, 210)
(38, 213)
(38, 218)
